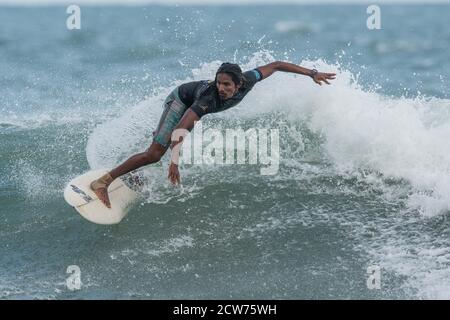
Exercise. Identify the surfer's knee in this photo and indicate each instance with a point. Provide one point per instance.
(152, 156)
(155, 152)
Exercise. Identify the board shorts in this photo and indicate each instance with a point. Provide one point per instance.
(173, 111)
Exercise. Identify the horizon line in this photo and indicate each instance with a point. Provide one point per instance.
(179, 3)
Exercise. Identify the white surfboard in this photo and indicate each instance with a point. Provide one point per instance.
(80, 196)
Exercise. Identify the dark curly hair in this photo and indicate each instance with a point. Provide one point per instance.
(233, 70)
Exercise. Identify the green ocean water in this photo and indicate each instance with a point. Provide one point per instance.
(364, 171)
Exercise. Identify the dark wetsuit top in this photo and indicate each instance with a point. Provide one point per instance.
(202, 96)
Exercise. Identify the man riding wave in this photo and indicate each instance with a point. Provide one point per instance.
(188, 102)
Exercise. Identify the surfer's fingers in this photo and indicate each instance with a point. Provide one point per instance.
(172, 178)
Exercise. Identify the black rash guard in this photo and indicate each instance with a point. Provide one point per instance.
(202, 96)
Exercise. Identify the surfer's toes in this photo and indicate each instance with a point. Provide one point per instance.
(102, 194)
(105, 200)
(100, 187)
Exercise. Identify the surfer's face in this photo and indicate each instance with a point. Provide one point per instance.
(225, 86)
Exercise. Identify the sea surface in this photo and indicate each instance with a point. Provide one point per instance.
(363, 182)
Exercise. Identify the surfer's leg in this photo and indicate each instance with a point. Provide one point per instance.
(152, 155)
(173, 112)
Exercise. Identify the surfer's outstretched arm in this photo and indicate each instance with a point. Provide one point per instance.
(182, 129)
(318, 77)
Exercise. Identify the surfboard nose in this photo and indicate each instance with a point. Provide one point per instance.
(79, 195)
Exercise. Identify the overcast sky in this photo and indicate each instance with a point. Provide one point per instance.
(210, 2)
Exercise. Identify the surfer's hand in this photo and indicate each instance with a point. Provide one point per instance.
(321, 76)
(174, 174)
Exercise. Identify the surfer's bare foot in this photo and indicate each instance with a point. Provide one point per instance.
(100, 188)
(102, 194)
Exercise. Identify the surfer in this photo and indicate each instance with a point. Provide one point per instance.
(188, 102)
